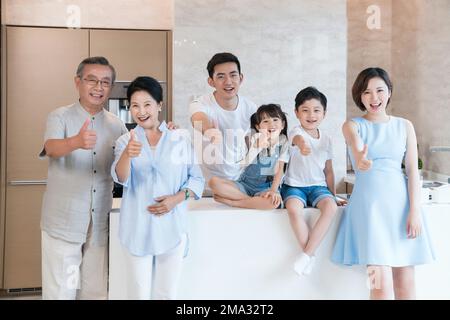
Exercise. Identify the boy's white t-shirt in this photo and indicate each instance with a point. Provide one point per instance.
(234, 125)
(305, 171)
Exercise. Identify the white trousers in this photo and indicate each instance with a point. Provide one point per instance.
(73, 270)
(154, 277)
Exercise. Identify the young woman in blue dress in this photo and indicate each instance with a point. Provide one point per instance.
(383, 226)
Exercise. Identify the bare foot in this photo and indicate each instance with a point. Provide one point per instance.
(220, 199)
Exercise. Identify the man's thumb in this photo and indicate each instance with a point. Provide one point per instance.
(85, 125)
(215, 124)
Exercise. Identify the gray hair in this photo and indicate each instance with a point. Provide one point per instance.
(95, 60)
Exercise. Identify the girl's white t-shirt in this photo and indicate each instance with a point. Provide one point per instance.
(306, 171)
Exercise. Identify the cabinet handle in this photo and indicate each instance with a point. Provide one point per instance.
(27, 182)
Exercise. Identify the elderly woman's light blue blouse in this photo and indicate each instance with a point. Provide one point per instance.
(163, 171)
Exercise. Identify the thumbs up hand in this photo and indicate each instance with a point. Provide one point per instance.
(86, 138)
(262, 140)
(362, 163)
(303, 145)
(215, 123)
(134, 147)
(214, 134)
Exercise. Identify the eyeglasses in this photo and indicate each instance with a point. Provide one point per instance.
(95, 82)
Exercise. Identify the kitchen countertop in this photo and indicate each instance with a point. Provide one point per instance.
(248, 254)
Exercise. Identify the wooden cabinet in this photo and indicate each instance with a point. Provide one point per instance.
(22, 267)
(39, 66)
(136, 53)
(132, 53)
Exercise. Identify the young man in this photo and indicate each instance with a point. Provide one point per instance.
(223, 118)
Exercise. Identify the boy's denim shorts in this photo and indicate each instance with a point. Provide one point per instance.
(310, 196)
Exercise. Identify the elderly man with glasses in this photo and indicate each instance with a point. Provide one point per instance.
(79, 142)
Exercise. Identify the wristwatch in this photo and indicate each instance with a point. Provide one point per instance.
(186, 194)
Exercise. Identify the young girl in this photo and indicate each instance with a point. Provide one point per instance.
(157, 180)
(382, 226)
(258, 185)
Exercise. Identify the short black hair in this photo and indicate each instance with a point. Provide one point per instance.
(362, 81)
(308, 94)
(147, 84)
(220, 58)
(96, 60)
(272, 110)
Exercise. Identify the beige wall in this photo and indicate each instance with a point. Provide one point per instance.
(421, 46)
(117, 14)
(366, 47)
(412, 45)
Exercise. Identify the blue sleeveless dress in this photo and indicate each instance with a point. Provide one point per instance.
(372, 230)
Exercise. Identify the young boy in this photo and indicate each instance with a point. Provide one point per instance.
(309, 179)
(223, 117)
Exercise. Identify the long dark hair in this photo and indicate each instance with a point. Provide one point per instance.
(272, 110)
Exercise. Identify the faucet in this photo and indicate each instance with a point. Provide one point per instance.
(439, 149)
(434, 149)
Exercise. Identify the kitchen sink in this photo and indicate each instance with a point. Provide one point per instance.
(435, 192)
(432, 184)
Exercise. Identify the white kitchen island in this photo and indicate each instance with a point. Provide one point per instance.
(249, 254)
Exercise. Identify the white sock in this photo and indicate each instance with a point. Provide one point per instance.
(301, 263)
(310, 265)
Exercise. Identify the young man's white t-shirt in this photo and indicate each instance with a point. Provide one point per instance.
(306, 171)
(234, 125)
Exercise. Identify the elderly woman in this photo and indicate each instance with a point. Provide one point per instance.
(158, 171)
